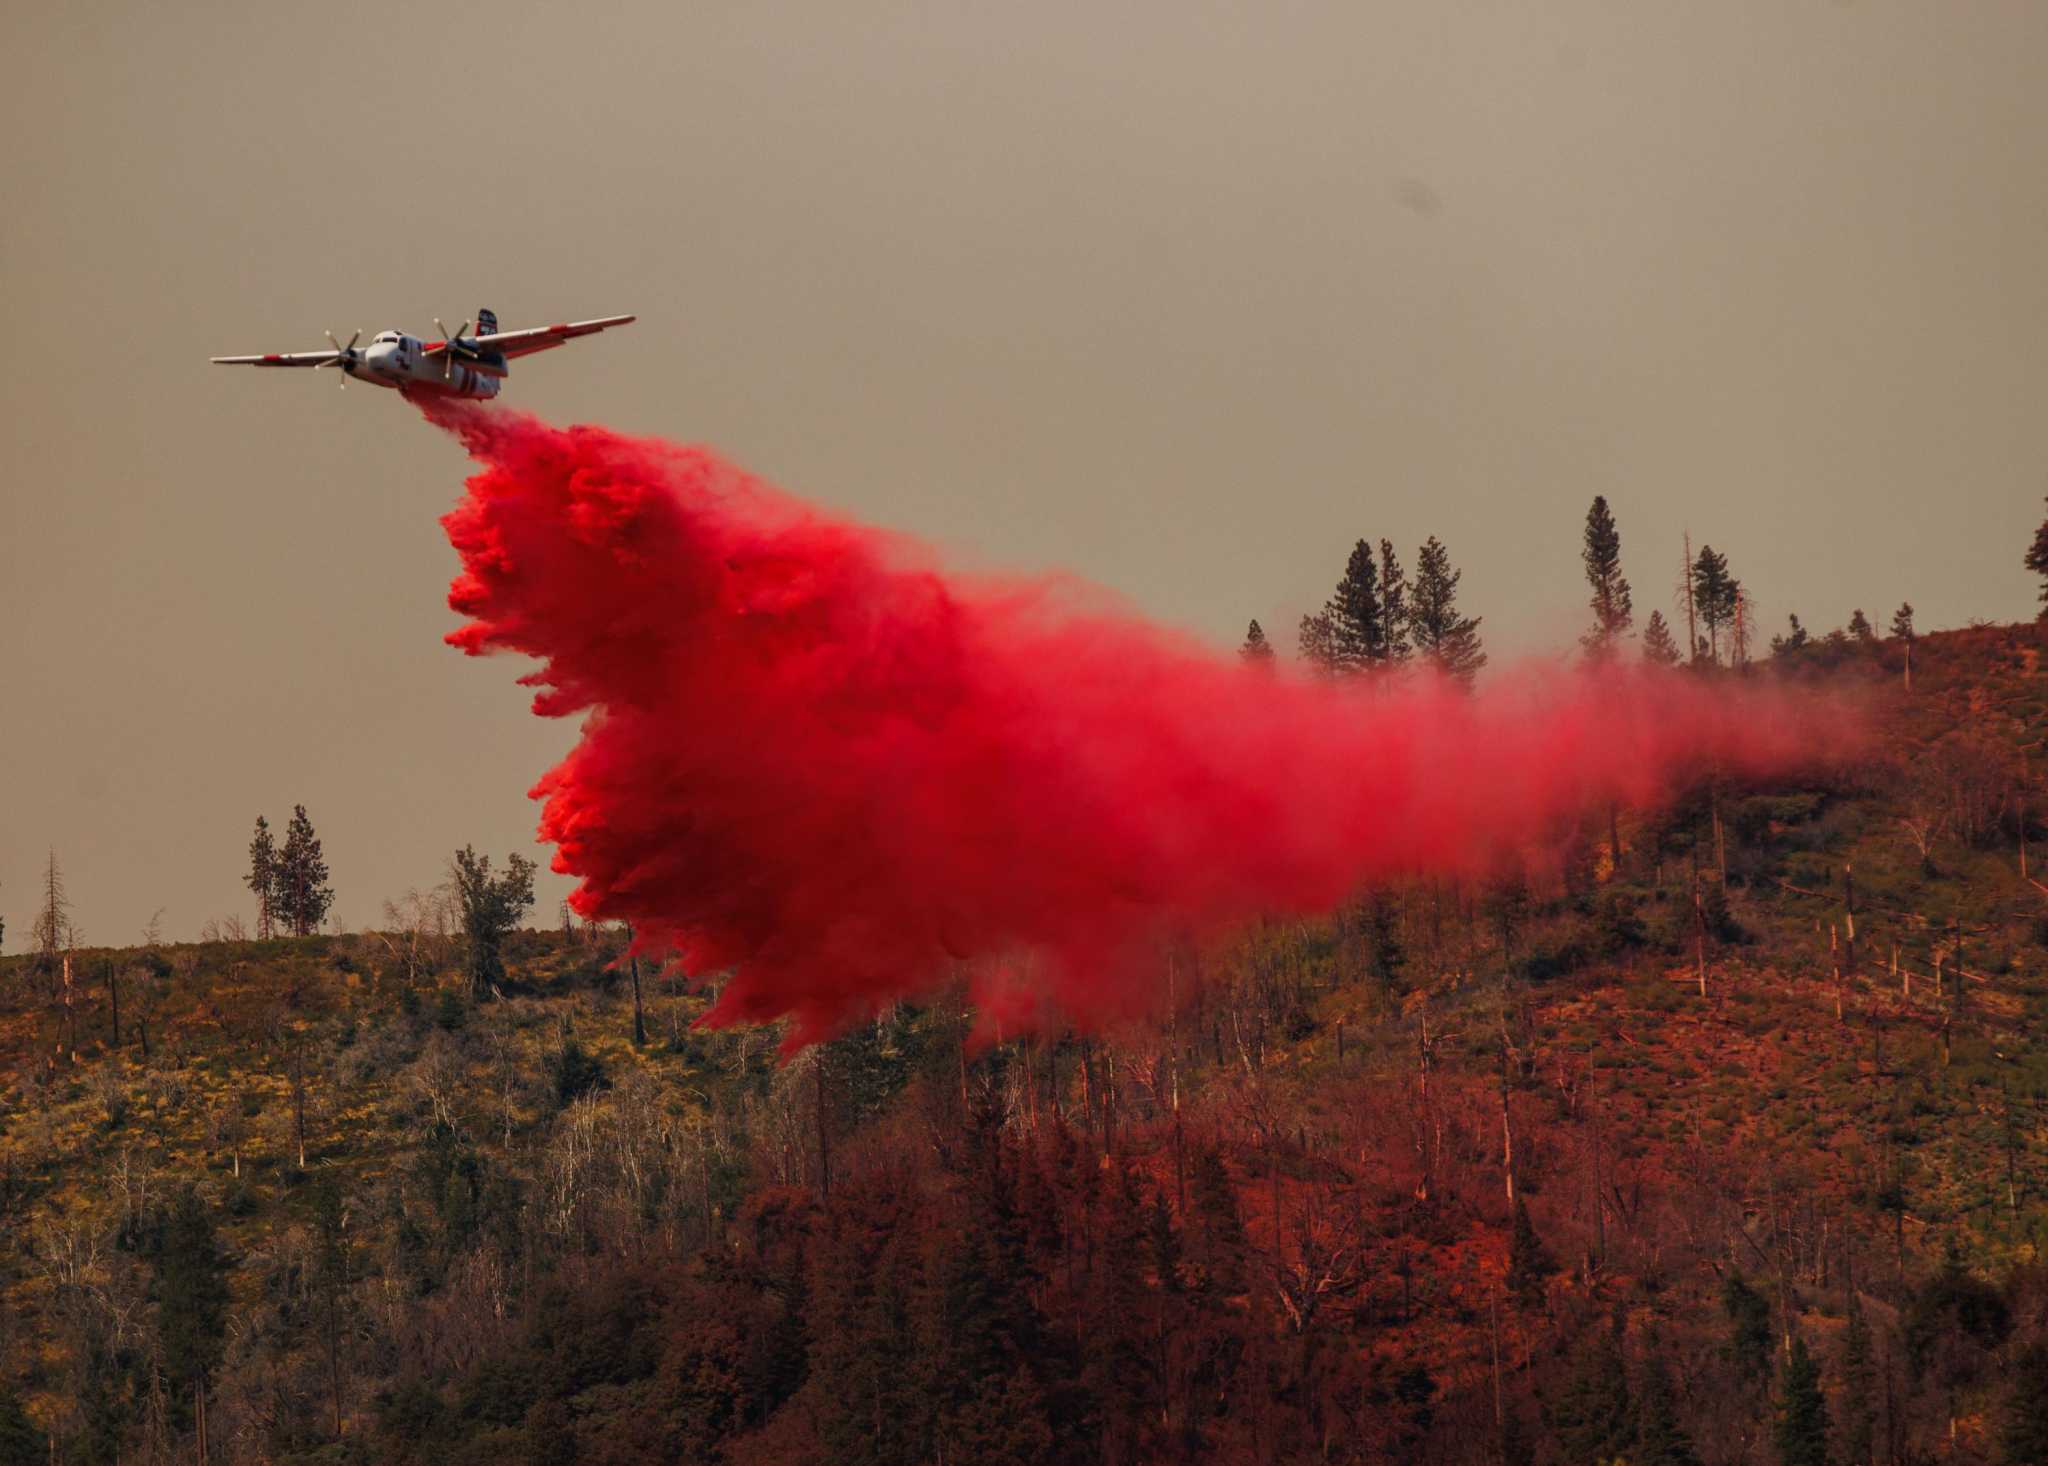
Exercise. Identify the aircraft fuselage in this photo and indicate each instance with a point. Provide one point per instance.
(400, 361)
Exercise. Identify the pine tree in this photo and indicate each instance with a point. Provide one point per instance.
(2024, 1439)
(1317, 643)
(1715, 593)
(1859, 1390)
(2037, 561)
(1447, 641)
(1860, 627)
(1591, 1417)
(1660, 1439)
(1358, 634)
(1394, 604)
(1529, 1261)
(1256, 649)
(262, 877)
(1613, 606)
(191, 1298)
(1659, 650)
(1795, 638)
(1749, 1332)
(1902, 621)
(1801, 1432)
(491, 908)
(1219, 1233)
(302, 895)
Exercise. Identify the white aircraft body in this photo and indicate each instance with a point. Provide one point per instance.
(458, 365)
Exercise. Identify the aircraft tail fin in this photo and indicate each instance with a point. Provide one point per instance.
(486, 322)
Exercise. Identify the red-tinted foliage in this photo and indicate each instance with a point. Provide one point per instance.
(814, 760)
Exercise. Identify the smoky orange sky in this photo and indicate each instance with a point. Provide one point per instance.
(1181, 298)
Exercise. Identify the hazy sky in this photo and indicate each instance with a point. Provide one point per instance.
(1183, 298)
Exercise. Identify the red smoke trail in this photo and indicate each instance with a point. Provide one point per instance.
(815, 761)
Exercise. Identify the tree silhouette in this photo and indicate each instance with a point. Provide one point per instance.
(1801, 1431)
(2037, 561)
(1659, 649)
(303, 896)
(1446, 640)
(1716, 594)
(491, 907)
(1256, 649)
(262, 877)
(1317, 643)
(1394, 604)
(1358, 632)
(1613, 606)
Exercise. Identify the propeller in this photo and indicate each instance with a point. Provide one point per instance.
(454, 345)
(347, 358)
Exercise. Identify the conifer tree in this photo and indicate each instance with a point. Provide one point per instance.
(1659, 649)
(1394, 604)
(302, 895)
(1660, 1439)
(1715, 593)
(1529, 1261)
(1256, 649)
(1358, 634)
(1902, 628)
(1749, 1332)
(1859, 1390)
(1591, 1416)
(1860, 627)
(191, 1298)
(1794, 638)
(1446, 640)
(2037, 561)
(2023, 1440)
(1317, 643)
(1613, 606)
(1801, 1431)
(262, 877)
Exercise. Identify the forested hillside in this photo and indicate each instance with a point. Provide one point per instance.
(1716, 1134)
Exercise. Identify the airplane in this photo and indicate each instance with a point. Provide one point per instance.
(458, 365)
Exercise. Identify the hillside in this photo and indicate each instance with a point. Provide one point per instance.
(1558, 1166)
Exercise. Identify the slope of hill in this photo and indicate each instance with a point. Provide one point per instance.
(1559, 1166)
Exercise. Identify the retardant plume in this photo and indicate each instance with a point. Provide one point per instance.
(818, 764)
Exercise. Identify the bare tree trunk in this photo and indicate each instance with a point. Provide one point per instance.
(1692, 630)
(1507, 1122)
(639, 1020)
(299, 1098)
(1699, 926)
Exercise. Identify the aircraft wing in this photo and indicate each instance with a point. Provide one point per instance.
(509, 344)
(289, 358)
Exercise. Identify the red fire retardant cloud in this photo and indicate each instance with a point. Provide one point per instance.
(816, 763)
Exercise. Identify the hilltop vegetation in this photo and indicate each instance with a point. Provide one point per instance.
(1562, 1166)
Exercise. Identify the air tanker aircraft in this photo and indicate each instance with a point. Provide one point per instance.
(458, 365)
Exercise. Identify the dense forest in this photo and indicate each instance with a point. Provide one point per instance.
(1719, 1136)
